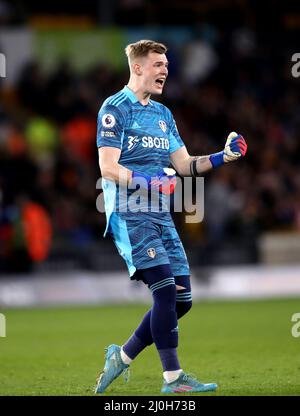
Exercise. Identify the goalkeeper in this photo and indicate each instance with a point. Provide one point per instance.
(137, 141)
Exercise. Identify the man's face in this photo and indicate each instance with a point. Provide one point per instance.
(154, 71)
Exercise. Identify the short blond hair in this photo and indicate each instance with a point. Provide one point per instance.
(141, 49)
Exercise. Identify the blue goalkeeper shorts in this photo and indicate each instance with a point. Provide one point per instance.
(144, 244)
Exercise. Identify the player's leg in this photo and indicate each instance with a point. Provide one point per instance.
(153, 238)
(148, 333)
(180, 268)
(163, 319)
(158, 320)
(140, 245)
(142, 336)
(144, 243)
(162, 314)
(172, 246)
(159, 326)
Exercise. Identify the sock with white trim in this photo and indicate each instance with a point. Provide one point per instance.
(171, 376)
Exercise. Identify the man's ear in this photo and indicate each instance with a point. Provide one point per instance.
(137, 69)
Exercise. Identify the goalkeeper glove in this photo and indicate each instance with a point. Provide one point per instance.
(164, 181)
(235, 147)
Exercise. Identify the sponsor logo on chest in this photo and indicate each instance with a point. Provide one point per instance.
(148, 142)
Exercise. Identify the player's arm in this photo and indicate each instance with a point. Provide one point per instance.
(110, 133)
(110, 167)
(181, 160)
(186, 165)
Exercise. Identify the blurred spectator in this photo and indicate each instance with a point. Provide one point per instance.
(42, 139)
(199, 60)
(78, 135)
(31, 88)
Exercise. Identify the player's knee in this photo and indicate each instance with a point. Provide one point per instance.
(183, 296)
(183, 307)
(165, 296)
(162, 285)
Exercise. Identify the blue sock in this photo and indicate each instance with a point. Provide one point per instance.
(133, 346)
(142, 337)
(163, 322)
(169, 359)
(164, 328)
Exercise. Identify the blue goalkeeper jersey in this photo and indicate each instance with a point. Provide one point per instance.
(146, 135)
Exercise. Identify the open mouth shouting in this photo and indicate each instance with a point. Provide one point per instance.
(159, 82)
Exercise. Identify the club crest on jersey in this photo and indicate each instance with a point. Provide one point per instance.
(108, 121)
(163, 125)
(151, 252)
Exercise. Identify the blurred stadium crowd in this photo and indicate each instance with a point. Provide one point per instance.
(221, 81)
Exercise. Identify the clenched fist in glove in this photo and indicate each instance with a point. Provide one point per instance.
(235, 147)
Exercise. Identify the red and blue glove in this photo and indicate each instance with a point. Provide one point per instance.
(235, 147)
(164, 181)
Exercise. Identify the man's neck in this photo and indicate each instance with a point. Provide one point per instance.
(140, 94)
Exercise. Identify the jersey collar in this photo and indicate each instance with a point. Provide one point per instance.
(131, 95)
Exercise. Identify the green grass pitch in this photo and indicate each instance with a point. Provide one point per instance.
(245, 346)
